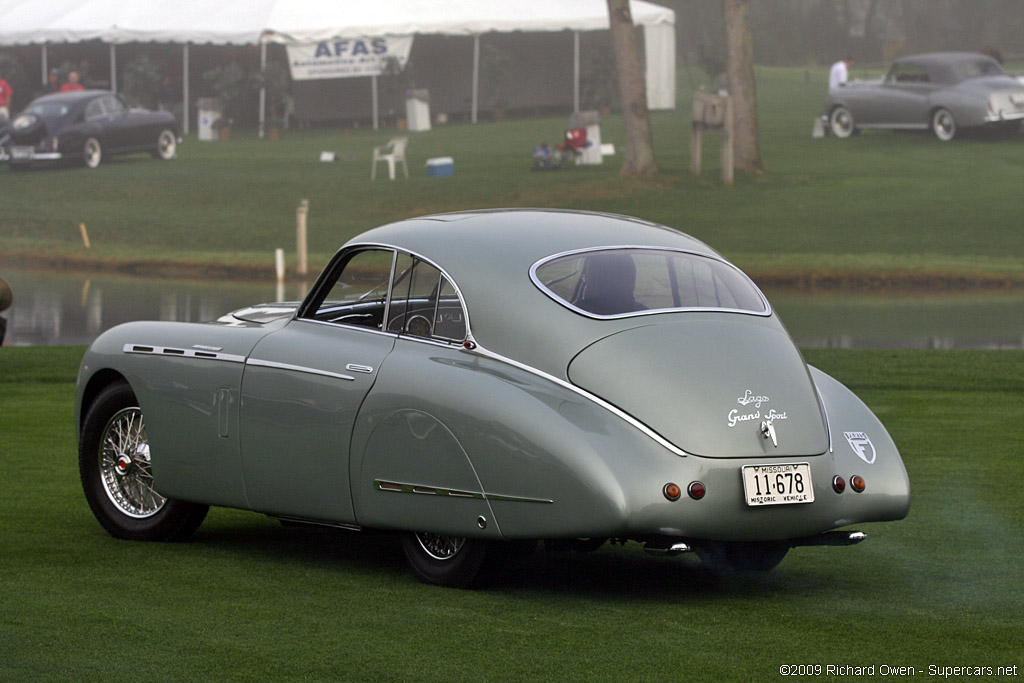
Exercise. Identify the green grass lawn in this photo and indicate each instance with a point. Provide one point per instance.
(248, 599)
(879, 202)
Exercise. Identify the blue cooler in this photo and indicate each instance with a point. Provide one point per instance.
(441, 166)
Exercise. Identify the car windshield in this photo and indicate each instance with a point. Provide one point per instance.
(49, 110)
(617, 282)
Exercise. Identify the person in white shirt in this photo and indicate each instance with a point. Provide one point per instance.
(840, 73)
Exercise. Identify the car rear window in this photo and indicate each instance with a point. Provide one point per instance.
(622, 281)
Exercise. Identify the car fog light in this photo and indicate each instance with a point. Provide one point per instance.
(672, 491)
(696, 490)
(857, 483)
(838, 484)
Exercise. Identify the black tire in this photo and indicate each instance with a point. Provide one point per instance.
(841, 123)
(740, 558)
(943, 124)
(445, 560)
(166, 145)
(92, 153)
(113, 461)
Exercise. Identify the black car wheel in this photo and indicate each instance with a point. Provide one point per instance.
(114, 464)
(92, 153)
(166, 145)
(445, 560)
(841, 123)
(943, 125)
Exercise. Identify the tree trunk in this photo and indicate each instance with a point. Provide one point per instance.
(740, 68)
(639, 154)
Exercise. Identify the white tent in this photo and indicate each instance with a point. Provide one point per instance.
(234, 22)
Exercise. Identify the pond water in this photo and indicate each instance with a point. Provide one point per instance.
(56, 309)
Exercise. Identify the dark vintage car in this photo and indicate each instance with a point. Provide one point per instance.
(943, 92)
(86, 126)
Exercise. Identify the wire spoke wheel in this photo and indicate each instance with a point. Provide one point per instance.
(125, 467)
(440, 547)
(117, 477)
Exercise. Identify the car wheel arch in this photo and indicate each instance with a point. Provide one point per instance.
(99, 381)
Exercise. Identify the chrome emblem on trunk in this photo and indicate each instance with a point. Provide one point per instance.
(768, 432)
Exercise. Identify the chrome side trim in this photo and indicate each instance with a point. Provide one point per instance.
(662, 441)
(316, 522)
(418, 489)
(199, 352)
(297, 368)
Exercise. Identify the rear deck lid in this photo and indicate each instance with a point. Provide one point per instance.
(707, 385)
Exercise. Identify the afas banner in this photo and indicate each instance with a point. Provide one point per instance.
(346, 57)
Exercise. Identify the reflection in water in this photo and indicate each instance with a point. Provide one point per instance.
(57, 309)
(53, 308)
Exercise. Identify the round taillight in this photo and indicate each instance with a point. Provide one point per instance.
(696, 490)
(672, 491)
(838, 484)
(857, 483)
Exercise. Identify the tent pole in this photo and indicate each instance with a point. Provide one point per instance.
(113, 68)
(376, 108)
(263, 86)
(476, 77)
(46, 69)
(576, 72)
(184, 88)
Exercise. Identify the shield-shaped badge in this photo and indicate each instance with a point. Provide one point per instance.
(861, 445)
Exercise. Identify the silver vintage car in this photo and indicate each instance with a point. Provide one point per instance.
(944, 92)
(481, 381)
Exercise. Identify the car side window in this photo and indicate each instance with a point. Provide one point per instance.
(908, 73)
(424, 303)
(94, 109)
(358, 291)
(113, 104)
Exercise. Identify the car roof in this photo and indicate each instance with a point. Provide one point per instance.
(72, 97)
(941, 57)
(521, 236)
(489, 253)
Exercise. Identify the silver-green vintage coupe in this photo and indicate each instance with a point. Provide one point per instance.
(481, 381)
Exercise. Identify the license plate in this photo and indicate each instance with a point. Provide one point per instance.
(22, 153)
(779, 484)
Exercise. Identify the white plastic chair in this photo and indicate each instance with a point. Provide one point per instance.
(392, 152)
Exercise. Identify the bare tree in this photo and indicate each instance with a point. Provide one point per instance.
(739, 49)
(639, 154)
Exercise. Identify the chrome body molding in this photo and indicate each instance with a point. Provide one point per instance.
(355, 367)
(398, 487)
(297, 368)
(197, 351)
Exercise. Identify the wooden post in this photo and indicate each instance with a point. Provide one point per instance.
(279, 264)
(727, 144)
(301, 248)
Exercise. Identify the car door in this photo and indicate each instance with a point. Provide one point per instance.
(902, 99)
(303, 386)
